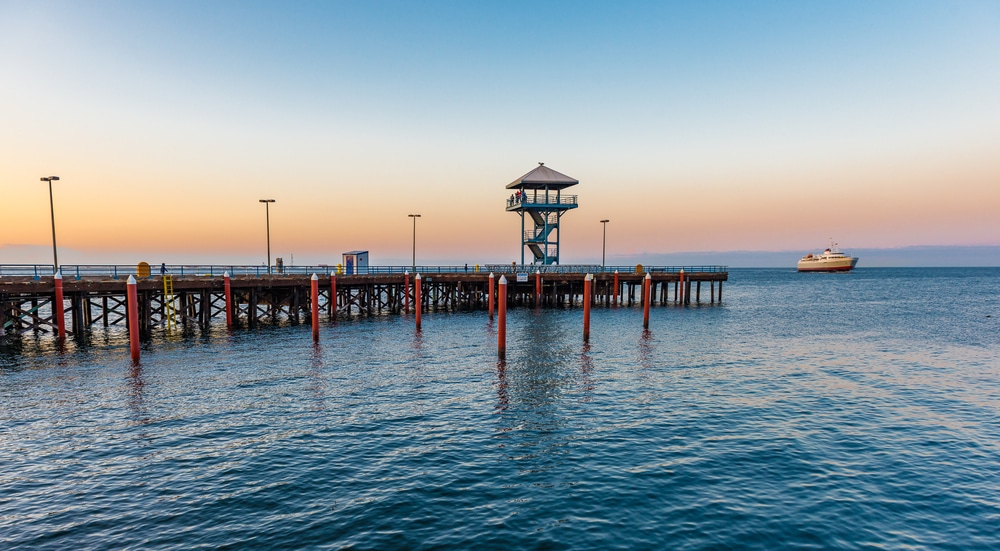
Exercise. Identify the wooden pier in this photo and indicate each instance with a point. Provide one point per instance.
(26, 302)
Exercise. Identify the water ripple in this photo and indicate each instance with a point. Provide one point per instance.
(756, 424)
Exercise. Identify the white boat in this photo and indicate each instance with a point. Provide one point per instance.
(830, 260)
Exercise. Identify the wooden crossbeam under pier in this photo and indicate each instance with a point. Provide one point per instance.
(26, 302)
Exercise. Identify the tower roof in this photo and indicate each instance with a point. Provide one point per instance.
(541, 177)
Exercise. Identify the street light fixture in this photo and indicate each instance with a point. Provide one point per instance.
(52, 210)
(267, 214)
(604, 243)
(414, 217)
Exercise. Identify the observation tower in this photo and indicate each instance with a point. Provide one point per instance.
(539, 195)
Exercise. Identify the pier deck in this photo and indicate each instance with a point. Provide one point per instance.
(97, 295)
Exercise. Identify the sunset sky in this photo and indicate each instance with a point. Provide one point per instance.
(696, 126)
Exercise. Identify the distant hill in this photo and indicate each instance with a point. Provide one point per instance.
(868, 258)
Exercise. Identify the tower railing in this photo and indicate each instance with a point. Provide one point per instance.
(527, 199)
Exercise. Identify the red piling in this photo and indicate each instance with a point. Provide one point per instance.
(133, 318)
(417, 302)
(406, 292)
(58, 314)
(587, 283)
(538, 286)
(333, 297)
(491, 299)
(680, 286)
(502, 319)
(616, 289)
(229, 299)
(646, 295)
(314, 299)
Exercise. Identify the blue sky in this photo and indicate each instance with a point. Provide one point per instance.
(737, 116)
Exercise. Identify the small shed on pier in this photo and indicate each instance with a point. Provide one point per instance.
(356, 262)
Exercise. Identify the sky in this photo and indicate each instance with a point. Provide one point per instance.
(691, 126)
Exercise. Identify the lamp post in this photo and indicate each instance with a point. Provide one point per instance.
(604, 243)
(267, 217)
(414, 217)
(52, 211)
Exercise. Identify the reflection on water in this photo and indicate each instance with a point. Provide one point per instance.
(503, 401)
(586, 372)
(317, 377)
(646, 349)
(136, 386)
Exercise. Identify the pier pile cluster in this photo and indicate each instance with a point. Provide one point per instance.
(72, 305)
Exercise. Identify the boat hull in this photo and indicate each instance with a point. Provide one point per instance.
(838, 265)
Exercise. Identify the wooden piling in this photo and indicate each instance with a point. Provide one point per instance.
(314, 300)
(538, 286)
(646, 296)
(248, 300)
(491, 298)
(615, 301)
(57, 306)
(680, 286)
(333, 297)
(417, 299)
(133, 318)
(502, 319)
(406, 292)
(587, 283)
(227, 286)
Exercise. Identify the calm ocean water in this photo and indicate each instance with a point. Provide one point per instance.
(827, 411)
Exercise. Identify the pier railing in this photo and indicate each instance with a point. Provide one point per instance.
(115, 271)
